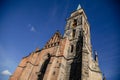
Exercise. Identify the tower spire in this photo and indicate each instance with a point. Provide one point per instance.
(104, 78)
(96, 55)
(79, 7)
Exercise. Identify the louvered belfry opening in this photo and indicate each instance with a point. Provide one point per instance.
(73, 34)
(75, 22)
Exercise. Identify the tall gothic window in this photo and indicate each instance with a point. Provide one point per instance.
(43, 68)
(73, 33)
(72, 47)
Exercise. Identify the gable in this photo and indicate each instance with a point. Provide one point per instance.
(54, 41)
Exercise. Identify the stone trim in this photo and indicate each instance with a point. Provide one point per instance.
(94, 70)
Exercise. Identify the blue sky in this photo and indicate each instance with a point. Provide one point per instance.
(28, 24)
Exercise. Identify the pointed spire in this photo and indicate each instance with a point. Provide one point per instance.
(96, 55)
(79, 7)
(37, 49)
(57, 31)
(104, 78)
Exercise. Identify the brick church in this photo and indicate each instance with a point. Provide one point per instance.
(67, 57)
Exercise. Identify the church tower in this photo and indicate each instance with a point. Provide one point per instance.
(67, 57)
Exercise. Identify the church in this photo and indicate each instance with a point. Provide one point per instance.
(67, 57)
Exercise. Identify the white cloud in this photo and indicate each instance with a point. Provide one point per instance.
(6, 72)
(32, 28)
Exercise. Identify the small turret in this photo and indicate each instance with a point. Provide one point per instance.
(96, 56)
(104, 78)
(37, 49)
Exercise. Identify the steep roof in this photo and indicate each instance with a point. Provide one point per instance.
(55, 39)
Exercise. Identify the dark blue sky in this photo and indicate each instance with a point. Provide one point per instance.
(27, 24)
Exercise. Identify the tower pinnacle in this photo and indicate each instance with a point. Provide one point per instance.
(96, 55)
(79, 7)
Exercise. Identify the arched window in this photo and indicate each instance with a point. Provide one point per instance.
(72, 47)
(43, 68)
